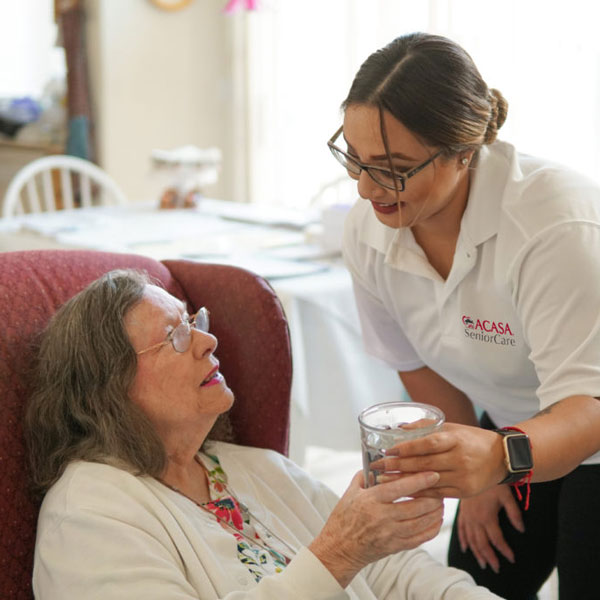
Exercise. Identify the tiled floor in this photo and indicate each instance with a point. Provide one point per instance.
(335, 469)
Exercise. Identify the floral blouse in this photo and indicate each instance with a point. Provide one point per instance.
(260, 561)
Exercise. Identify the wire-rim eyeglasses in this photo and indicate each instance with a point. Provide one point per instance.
(181, 336)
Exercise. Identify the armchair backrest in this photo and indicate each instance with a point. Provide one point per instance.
(254, 352)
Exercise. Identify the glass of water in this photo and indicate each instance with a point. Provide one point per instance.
(382, 426)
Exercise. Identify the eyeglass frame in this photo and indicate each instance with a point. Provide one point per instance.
(400, 176)
(190, 323)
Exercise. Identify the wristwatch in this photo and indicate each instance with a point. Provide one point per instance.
(517, 454)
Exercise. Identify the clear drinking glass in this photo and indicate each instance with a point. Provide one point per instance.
(385, 425)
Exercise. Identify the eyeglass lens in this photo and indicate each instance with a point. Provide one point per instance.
(182, 334)
(380, 176)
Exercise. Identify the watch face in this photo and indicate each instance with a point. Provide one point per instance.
(519, 451)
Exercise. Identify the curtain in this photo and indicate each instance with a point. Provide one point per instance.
(70, 16)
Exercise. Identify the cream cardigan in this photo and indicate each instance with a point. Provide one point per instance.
(105, 534)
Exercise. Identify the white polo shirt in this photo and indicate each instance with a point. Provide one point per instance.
(516, 325)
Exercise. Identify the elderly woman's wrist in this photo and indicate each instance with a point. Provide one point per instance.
(336, 560)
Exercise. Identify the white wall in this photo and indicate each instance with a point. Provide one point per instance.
(28, 56)
(160, 79)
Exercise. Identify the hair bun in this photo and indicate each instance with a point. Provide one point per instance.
(498, 112)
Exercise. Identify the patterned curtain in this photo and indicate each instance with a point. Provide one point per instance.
(70, 16)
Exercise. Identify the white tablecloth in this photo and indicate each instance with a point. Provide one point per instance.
(334, 378)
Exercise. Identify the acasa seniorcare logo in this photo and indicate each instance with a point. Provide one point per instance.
(491, 332)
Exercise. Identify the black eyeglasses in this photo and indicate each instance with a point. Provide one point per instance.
(383, 177)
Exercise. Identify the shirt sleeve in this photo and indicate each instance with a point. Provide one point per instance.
(415, 574)
(557, 295)
(382, 335)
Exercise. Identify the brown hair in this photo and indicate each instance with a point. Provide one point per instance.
(433, 87)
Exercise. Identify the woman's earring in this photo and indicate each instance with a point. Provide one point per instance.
(464, 161)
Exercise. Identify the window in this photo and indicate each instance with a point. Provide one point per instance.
(300, 58)
(28, 46)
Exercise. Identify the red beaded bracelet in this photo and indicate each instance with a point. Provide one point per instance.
(526, 479)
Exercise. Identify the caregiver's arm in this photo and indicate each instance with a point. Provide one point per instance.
(425, 385)
(471, 459)
(563, 435)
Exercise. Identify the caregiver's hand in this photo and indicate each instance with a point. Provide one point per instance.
(468, 459)
(367, 524)
(479, 528)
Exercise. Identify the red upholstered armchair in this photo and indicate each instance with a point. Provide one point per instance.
(254, 352)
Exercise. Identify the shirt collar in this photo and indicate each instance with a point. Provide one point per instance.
(481, 218)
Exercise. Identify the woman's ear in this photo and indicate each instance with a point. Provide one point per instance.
(465, 159)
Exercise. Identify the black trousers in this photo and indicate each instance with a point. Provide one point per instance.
(562, 529)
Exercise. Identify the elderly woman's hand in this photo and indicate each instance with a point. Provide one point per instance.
(468, 459)
(367, 524)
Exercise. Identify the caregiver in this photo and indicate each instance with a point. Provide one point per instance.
(476, 272)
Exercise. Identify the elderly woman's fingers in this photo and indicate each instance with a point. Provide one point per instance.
(370, 523)
(397, 528)
(414, 508)
(405, 486)
(357, 480)
(425, 523)
(425, 535)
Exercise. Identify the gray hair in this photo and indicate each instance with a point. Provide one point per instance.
(80, 408)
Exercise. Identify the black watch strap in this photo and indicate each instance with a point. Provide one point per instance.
(513, 477)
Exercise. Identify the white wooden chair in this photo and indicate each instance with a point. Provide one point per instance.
(59, 181)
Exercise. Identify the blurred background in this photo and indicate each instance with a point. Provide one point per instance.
(262, 82)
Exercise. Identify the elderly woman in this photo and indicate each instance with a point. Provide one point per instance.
(139, 504)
